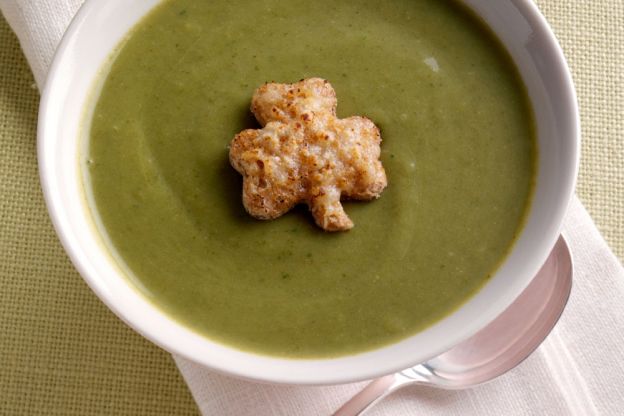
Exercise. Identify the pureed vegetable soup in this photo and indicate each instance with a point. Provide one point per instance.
(458, 148)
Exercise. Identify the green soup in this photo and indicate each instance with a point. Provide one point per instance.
(458, 148)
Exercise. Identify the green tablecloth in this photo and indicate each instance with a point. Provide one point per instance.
(63, 353)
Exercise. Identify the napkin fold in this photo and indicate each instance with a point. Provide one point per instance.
(578, 370)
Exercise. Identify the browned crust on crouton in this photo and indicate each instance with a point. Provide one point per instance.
(305, 154)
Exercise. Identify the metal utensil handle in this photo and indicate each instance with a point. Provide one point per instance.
(371, 394)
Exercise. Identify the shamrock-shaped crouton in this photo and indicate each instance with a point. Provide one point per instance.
(305, 154)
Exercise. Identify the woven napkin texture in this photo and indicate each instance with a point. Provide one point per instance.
(63, 353)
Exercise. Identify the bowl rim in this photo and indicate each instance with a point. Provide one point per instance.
(274, 369)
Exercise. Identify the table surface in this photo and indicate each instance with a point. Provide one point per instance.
(64, 353)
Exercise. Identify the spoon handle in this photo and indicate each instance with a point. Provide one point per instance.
(372, 394)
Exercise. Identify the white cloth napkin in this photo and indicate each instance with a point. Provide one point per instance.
(579, 370)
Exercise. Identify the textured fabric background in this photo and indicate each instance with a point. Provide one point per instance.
(63, 353)
(592, 36)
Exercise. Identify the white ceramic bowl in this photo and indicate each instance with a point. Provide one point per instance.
(101, 25)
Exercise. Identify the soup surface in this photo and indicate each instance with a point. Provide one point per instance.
(458, 148)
